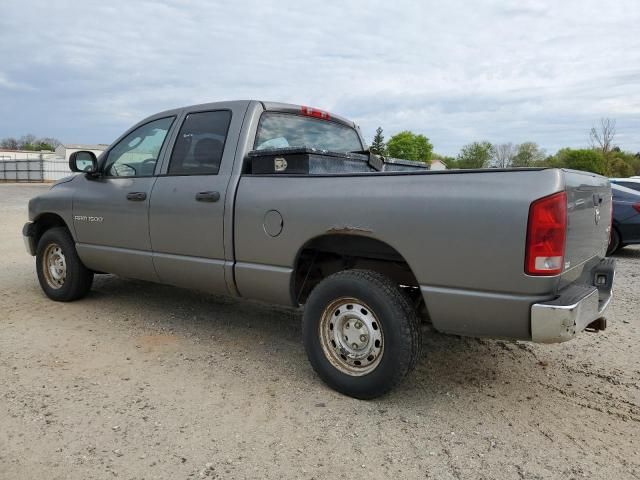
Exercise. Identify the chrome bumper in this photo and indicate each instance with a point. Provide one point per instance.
(575, 309)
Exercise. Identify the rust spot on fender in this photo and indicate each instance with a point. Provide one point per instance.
(349, 230)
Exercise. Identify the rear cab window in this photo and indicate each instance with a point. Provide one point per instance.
(278, 130)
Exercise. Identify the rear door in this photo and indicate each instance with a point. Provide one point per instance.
(187, 207)
(111, 213)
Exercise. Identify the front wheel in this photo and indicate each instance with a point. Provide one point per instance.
(361, 334)
(61, 273)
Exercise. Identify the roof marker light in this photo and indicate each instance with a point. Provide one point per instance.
(314, 112)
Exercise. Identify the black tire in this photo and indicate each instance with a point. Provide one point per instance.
(77, 279)
(397, 319)
(615, 243)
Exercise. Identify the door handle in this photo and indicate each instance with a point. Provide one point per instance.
(208, 196)
(136, 196)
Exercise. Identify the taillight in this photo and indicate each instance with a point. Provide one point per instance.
(314, 112)
(636, 207)
(546, 234)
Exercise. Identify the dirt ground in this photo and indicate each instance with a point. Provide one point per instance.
(142, 381)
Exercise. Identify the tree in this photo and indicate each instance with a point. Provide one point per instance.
(503, 155)
(602, 137)
(51, 141)
(528, 154)
(475, 155)
(9, 143)
(410, 146)
(30, 142)
(602, 140)
(585, 159)
(377, 145)
(26, 142)
(623, 164)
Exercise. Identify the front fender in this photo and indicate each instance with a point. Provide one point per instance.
(56, 202)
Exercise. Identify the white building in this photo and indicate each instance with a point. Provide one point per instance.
(438, 165)
(23, 165)
(58, 167)
(67, 149)
(45, 165)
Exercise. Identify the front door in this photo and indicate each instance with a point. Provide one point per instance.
(111, 212)
(187, 205)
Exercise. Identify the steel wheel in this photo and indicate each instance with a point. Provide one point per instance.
(351, 336)
(54, 266)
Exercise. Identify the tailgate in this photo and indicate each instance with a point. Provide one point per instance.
(588, 217)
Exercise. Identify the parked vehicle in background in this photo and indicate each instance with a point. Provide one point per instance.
(626, 217)
(284, 204)
(632, 182)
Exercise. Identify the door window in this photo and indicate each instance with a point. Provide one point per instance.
(136, 154)
(200, 143)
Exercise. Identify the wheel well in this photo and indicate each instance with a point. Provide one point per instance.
(329, 254)
(45, 222)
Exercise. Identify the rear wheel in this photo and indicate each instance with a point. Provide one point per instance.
(614, 242)
(61, 274)
(361, 334)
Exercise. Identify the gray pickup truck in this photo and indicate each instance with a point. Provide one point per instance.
(284, 204)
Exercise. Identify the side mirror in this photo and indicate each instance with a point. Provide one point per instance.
(83, 161)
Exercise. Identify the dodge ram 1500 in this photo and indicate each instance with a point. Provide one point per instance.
(285, 204)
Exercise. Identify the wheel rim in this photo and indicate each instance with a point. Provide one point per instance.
(54, 266)
(351, 336)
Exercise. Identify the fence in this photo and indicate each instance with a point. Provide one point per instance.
(36, 167)
(23, 170)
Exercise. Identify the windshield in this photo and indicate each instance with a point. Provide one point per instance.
(283, 130)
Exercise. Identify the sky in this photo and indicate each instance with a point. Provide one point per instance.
(456, 71)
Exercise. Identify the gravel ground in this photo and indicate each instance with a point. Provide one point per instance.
(145, 381)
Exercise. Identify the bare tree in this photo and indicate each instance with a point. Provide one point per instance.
(528, 154)
(503, 155)
(53, 142)
(602, 137)
(26, 141)
(9, 143)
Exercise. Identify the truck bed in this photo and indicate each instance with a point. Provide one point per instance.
(462, 232)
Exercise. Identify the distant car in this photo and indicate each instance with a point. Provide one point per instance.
(632, 182)
(626, 217)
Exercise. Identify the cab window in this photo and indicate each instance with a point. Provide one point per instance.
(282, 130)
(136, 154)
(200, 144)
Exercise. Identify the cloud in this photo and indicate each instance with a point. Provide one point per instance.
(455, 71)
(7, 84)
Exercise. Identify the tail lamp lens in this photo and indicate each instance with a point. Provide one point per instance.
(636, 207)
(546, 233)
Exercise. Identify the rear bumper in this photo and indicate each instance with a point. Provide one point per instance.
(577, 306)
(29, 237)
